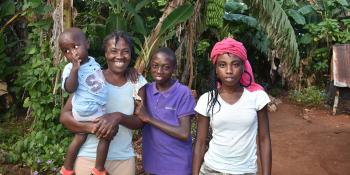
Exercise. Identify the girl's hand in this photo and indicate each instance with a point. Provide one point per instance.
(107, 125)
(141, 112)
(132, 74)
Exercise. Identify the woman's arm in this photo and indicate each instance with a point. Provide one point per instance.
(264, 141)
(200, 146)
(133, 122)
(66, 118)
(109, 122)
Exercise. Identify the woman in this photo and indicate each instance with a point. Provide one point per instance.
(237, 112)
(117, 125)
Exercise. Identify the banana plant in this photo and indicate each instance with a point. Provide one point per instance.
(173, 15)
(275, 22)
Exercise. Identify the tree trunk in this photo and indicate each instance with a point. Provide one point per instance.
(192, 37)
(152, 40)
(63, 18)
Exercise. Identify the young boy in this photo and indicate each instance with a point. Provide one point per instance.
(83, 77)
(169, 107)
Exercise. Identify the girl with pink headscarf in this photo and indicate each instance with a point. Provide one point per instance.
(236, 110)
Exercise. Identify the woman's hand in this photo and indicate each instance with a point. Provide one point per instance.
(107, 125)
(66, 118)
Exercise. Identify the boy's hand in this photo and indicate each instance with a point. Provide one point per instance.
(141, 112)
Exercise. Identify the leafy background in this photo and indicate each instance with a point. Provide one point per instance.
(288, 41)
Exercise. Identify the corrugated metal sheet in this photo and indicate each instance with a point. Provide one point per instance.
(341, 65)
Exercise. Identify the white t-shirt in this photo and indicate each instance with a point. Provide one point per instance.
(119, 99)
(232, 148)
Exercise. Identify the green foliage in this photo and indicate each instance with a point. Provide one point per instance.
(297, 16)
(179, 15)
(311, 96)
(7, 8)
(43, 145)
(256, 34)
(234, 6)
(275, 22)
(320, 36)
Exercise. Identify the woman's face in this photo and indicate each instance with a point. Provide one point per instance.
(229, 69)
(118, 55)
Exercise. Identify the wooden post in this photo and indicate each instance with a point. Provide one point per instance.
(67, 17)
(336, 100)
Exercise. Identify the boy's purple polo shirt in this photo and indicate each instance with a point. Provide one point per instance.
(162, 153)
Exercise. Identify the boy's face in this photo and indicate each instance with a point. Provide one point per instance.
(162, 68)
(74, 47)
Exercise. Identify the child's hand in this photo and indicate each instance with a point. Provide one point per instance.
(76, 62)
(141, 112)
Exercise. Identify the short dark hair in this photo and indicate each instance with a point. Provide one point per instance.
(117, 35)
(168, 52)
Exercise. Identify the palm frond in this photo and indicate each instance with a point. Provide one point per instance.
(275, 22)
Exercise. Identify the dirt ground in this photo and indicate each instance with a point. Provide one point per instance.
(307, 141)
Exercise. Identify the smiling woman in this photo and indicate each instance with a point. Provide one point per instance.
(119, 121)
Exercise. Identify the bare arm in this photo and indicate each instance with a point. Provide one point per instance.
(109, 122)
(133, 122)
(181, 132)
(66, 118)
(264, 141)
(200, 146)
(109, 128)
(71, 83)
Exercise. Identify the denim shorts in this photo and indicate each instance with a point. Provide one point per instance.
(205, 170)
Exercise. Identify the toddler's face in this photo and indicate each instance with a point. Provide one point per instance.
(74, 48)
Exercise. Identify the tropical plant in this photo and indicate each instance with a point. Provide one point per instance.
(275, 22)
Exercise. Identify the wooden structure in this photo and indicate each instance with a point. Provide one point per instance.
(340, 70)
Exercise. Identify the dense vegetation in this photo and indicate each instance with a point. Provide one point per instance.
(288, 39)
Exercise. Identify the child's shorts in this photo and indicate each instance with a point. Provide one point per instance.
(205, 170)
(100, 112)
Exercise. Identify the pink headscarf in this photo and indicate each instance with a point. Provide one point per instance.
(229, 45)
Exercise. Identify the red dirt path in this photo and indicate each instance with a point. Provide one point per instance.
(309, 141)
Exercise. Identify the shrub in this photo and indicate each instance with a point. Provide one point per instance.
(310, 96)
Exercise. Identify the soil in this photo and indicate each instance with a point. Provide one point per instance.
(310, 141)
(305, 141)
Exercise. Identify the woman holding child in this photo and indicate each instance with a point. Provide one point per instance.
(119, 108)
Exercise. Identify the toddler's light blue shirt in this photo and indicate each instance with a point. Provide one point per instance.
(91, 94)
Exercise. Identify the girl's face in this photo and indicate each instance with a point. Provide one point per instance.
(229, 69)
(162, 68)
(118, 55)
